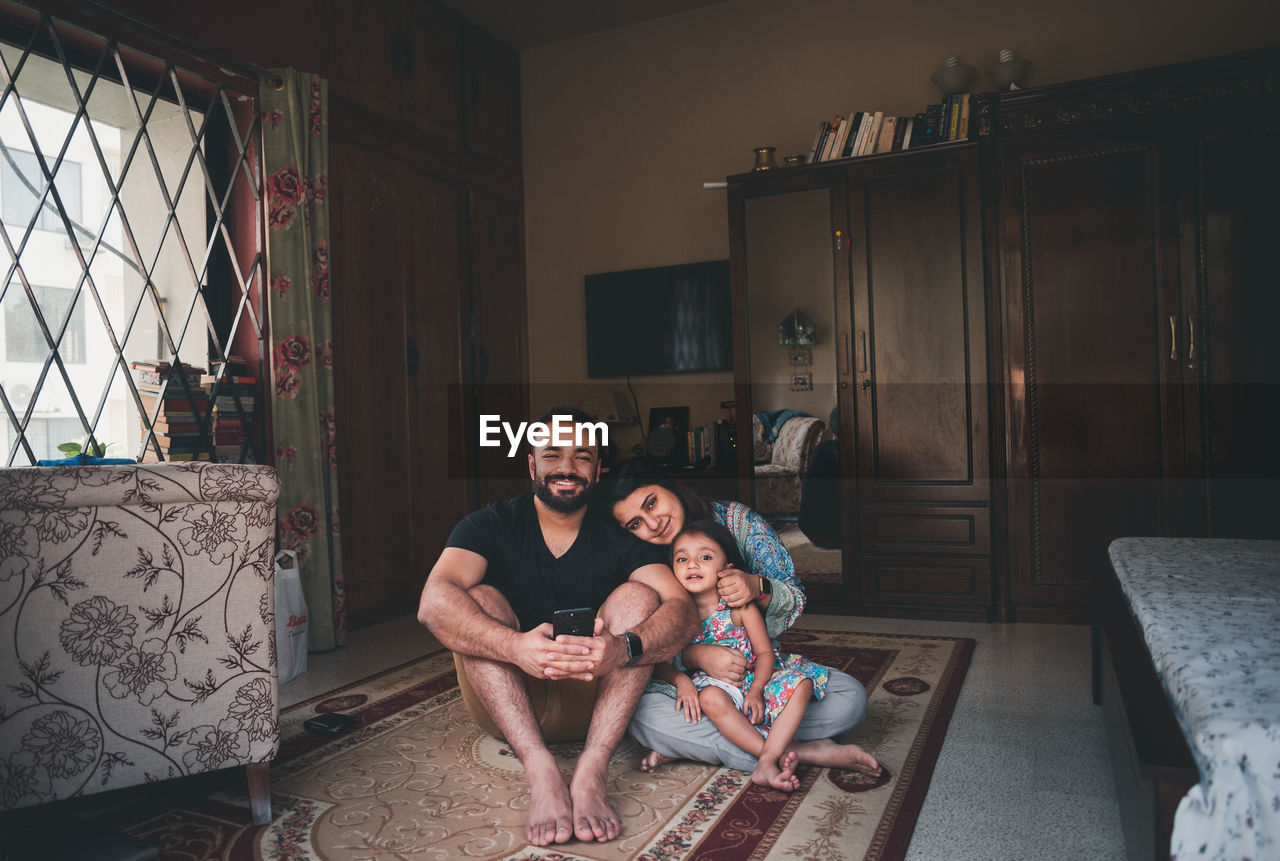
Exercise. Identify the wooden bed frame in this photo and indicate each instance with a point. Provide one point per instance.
(1152, 765)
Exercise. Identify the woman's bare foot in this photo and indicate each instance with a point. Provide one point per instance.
(550, 817)
(652, 760)
(593, 816)
(780, 773)
(826, 753)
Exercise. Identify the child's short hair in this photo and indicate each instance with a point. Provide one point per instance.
(717, 533)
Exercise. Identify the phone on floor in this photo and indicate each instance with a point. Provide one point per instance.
(330, 723)
(579, 622)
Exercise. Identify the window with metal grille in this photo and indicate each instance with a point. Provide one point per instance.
(130, 236)
(22, 341)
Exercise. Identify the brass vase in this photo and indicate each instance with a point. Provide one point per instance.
(764, 158)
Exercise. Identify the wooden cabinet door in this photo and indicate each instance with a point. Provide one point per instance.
(1231, 308)
(431, 81)
(920, 382)
(1090, 284)
(919, 332)
(435, 291)
(492, 81)
(497, 327)
(363, 44)
(371, 202)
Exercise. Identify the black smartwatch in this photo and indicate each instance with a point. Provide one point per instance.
(635, 649)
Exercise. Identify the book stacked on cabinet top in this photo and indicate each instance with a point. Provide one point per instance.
(870, 132)
(178, 403)
(235, 392)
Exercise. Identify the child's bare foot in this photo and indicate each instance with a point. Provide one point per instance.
(826, 753)
(779, 773)
(652, 760)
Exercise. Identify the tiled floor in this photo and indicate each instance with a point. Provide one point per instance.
(1023, 774)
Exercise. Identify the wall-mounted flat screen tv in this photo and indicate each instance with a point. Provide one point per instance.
(665, 320)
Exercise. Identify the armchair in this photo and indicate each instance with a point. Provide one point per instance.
(136, 627)
(781, 465)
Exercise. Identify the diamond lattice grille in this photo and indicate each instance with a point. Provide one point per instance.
(130, 199)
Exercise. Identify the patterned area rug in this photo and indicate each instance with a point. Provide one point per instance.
(417, 779)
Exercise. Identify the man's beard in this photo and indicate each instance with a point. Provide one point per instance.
(564, 505)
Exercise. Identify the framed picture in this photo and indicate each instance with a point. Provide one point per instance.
(668, 441)
(801, 355)
(802, 382)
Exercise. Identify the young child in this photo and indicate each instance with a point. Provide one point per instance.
(762, 715)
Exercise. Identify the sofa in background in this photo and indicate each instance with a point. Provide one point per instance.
(137, 638)
(780, 465)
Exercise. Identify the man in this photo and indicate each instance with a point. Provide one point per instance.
(490, 597)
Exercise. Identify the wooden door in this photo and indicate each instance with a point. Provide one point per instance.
(369, 235)
(432, 70)
(363, 45)
(492, 81)
(435, 463)
(498, 345)
(1228, 345)
(920, 385)
(1090, 282)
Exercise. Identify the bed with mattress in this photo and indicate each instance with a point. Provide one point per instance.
(1187, 664)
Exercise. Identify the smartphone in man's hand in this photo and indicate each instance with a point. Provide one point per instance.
(579, 622)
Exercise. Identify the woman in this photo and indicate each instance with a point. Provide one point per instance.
(652, 507)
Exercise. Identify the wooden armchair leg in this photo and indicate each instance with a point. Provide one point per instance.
(259, 775)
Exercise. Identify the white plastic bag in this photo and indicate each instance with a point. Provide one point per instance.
(291, 619)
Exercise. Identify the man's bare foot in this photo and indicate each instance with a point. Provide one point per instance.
(593, 816)
(652, 760)
(826, 753)
(550, 818)
(780, 773)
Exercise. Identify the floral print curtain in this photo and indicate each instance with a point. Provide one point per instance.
(296, 164)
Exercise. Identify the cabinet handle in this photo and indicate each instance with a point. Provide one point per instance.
(866, 384)
(1173, 337)
(839, 240)
(844, 356)
(862, 351)
(1191, 341)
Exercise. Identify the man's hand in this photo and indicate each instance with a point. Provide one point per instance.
(543, 657)
(719, 662)
(687, 699)
(737, 587)
(585, 658)
(753, 706)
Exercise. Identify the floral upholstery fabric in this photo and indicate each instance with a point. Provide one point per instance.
(137, 637)
(777, 482)
(761, 448)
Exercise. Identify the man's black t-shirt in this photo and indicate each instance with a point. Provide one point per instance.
(534, 582)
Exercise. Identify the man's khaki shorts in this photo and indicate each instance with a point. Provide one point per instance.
(563, 707)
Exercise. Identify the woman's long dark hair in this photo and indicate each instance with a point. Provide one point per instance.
(719, 534)
(631, 475)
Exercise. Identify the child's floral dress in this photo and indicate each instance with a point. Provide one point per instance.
(788, 672)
